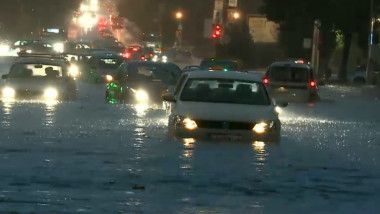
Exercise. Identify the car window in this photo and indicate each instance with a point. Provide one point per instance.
(220, 64)
(289, 74)
(225, 91)
(180, 83)
(35, 70)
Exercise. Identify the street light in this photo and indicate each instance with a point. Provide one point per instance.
(236, 15)
(179, 15)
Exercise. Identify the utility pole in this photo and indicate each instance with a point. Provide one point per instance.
(315, 48)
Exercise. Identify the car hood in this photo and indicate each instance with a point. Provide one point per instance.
(226, 112)
(35, 84)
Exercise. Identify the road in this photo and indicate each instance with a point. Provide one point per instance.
(91, 157)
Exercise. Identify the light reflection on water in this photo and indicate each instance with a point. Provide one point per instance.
(50, 111)
(7, 110)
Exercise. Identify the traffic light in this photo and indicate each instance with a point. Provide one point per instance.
(217, 31)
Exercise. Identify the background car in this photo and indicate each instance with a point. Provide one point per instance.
(142, 82)
(33, 46)
(220, 64)
(291, 81)
(40, 78)
(100, 66)
(222, 105)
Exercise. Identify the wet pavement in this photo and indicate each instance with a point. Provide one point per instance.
(91, 157)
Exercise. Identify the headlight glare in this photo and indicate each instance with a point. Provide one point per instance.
(260, 128)
(9, 92)
(74, 71)
(189, 124)
(58, 47)
(141, 96)
(109, 78)
(51, 94)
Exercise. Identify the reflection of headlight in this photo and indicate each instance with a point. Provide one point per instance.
(74, 71)
(155, 58)
(260, 128)
(9, 92)
(51, 94)
(189, 124)
(141, 96)
(109, 78)
(58, 47)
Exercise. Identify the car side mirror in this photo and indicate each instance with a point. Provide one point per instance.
(169, 97)
(4, 76)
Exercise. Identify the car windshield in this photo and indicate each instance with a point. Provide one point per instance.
(225, 91)
(35, 70)
(289, 74)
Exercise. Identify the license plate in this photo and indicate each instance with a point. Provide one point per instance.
(226, 137)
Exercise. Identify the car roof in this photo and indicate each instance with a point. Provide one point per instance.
(41, 60)
(236, 75)
(290, 63)
(105, 53)
(149, 62)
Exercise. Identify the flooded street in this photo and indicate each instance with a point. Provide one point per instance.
(91, 157)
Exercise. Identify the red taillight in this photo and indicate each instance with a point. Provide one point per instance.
(142, 57)
(135, 49)
(266, 80)
(126, 55)
(312, 84)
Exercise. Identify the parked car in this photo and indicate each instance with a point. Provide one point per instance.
(222, 105)
(291, 81)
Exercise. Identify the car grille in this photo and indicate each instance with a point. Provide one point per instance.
(226, 125)
(28, 93)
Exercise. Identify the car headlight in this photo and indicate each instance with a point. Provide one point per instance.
(263, 127)
(189, 124)
(164, 59)
(141, 96)
(109, 78)
(74, 71)
(50, 94)
(29, 51)
(9, 92)
(58, 47)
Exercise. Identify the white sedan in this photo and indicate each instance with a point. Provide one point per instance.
(223, 106)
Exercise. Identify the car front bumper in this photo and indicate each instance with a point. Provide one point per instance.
(228, 135)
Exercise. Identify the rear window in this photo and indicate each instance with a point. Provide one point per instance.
(35, 70)
(110, 63)
(219, 65)
(289, 74)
